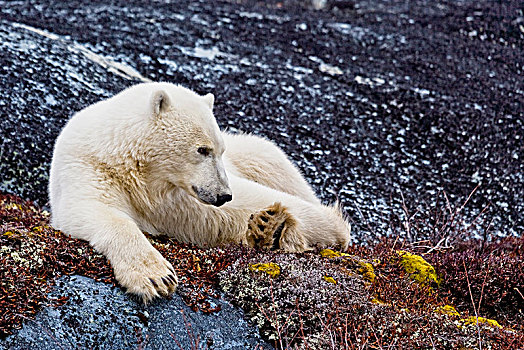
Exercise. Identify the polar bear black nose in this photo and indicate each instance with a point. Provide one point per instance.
(222, 198)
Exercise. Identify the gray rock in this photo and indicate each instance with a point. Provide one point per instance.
(99, 316)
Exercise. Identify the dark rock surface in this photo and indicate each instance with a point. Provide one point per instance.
(100, 317)
(370, 98)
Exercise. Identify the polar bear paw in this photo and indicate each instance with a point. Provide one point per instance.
(149, 276)
(274, 228)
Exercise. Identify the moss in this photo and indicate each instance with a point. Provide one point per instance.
(481, 320)
(271, 269)
(447, 310)
(329, 279)
(418, 268)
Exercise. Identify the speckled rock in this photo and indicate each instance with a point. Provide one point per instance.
(372, 99)
(99, 316)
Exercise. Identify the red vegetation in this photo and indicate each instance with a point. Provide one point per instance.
(300, 306)
(33, 255)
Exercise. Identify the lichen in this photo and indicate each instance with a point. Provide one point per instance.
(329, 279)
(303, 297)
(367, 271)
(363, 267)
(329, 253)
(447, 310)
(271, 269)
(418, 268)
(481, 320)
(11, 206)
(33, 255)
(377, 301)
(295, 310)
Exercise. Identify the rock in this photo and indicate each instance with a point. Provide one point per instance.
(48, 79)
(355, 92)
(97, 315)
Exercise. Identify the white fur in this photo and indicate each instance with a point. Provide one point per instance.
(131, 164)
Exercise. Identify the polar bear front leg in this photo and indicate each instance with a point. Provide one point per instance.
(137, 265)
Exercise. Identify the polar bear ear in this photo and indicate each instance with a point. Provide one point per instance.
(209, 99)
(160, 102)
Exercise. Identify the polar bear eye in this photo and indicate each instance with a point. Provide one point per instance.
(204, 151)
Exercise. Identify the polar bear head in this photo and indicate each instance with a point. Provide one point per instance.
(187, 144)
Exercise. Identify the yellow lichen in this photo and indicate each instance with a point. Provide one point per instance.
(377, 301)
(328, 253)
(364, 268)
(13, 206)
(447, 310)
(481, 320)
(329, 279)
(418, 268)
(367, 271)
(39, 229)
(271, 269)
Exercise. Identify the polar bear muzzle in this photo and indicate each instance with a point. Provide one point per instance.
(210, 198)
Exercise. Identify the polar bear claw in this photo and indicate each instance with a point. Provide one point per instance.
(269, 228)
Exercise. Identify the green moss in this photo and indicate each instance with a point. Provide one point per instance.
(418, 268)
(271, 269)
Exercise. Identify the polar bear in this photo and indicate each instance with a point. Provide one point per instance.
(153, 159)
